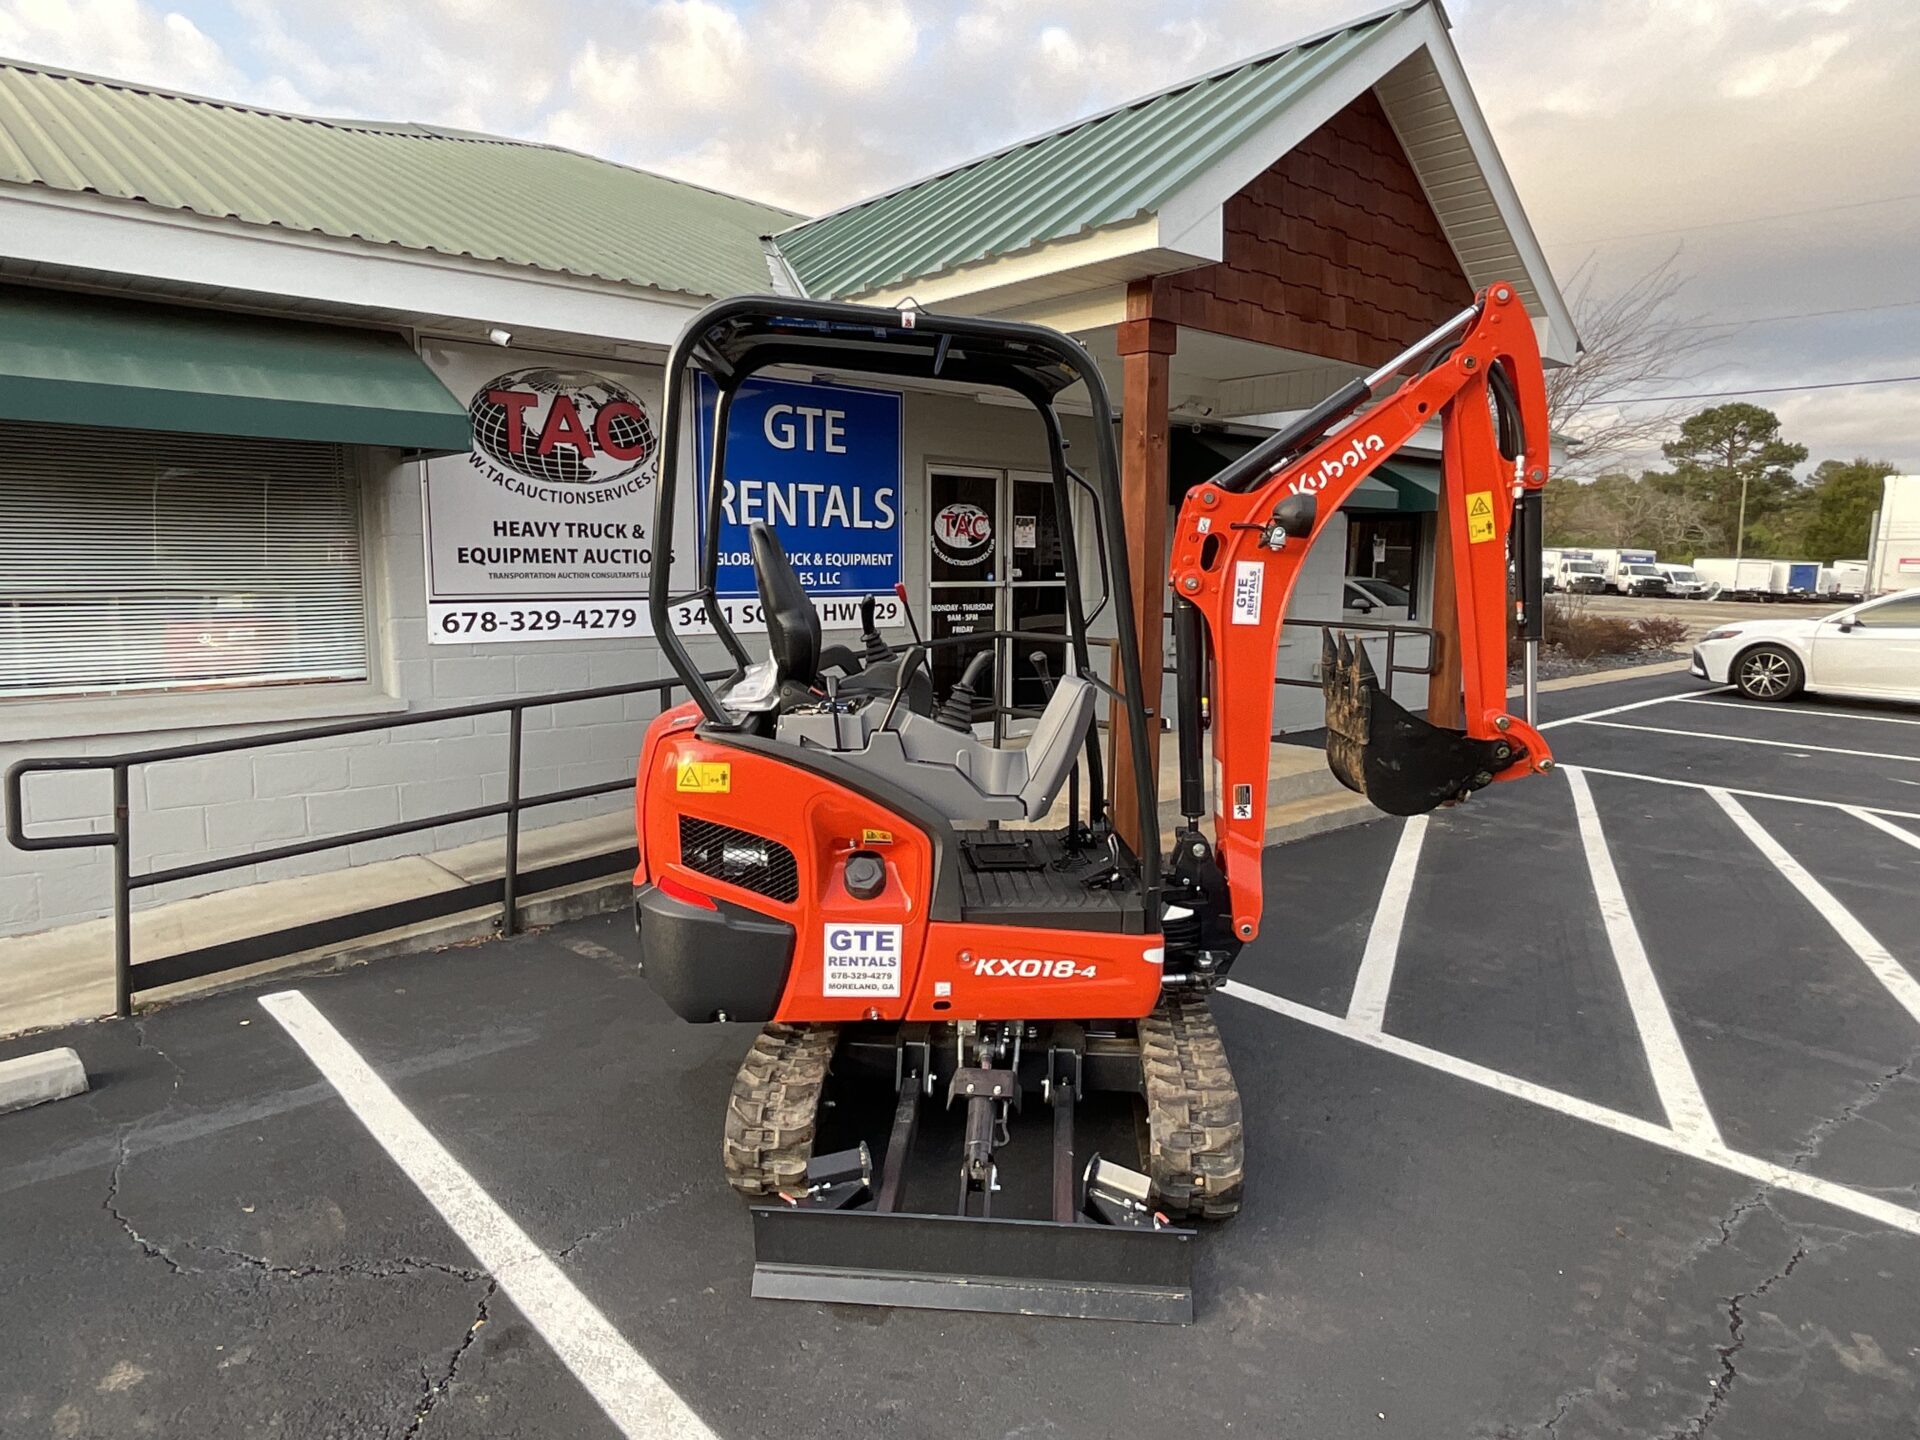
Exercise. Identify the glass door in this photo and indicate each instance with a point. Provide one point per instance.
(964, 571)
(1036, 588)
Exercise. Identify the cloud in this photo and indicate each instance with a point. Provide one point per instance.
(1615, 117)
(117, 38)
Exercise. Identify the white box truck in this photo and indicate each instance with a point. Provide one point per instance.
(1894, 555)
(1573, 571)
(1632, 572)
(1737, 579)
(1844, 580)
(1794, 580)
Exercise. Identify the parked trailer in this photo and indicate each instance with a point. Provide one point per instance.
(1794, 580)
(1894, 557)
(1844, 580)
(1738, 579)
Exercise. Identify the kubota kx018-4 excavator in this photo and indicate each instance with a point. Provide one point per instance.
(826, 850)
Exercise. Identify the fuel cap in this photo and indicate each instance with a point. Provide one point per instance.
(866, 875)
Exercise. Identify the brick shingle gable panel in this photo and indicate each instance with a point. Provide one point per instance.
(1333, 250)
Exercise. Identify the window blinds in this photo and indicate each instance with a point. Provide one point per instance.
(133, 560)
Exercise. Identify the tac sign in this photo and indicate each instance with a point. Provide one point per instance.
(821, 464)
(564, 427)
(963, 534)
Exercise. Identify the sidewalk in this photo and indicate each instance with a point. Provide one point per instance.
(426, 902)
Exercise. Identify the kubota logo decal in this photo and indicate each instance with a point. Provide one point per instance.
(1331, 468)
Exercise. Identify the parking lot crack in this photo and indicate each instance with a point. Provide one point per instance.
(434, 1390)
(123, 1152)
(1723, 1383)
(391, 1268)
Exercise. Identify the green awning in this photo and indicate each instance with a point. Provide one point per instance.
(1416, 481)
(87, 360)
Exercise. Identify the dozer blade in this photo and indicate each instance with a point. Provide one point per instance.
(1402, 764)
(1080, 1270)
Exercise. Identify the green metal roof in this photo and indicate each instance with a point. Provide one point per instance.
(92, 360)
(1094, 173)
(410, 186)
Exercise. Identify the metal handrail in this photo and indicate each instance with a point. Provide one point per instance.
(119, 837)
(1375, 627)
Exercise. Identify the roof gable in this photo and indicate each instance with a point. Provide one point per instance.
(1094, 173)
(409, 186)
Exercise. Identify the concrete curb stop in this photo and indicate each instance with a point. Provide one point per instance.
(45, 1075)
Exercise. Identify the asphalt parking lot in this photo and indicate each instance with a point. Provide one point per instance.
(1587, 1109)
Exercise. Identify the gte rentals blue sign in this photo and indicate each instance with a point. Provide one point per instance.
(822, 465)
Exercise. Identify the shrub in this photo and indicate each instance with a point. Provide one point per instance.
(1662, 632)
(1577, 633)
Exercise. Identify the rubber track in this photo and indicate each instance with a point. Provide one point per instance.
(1196, 1152)
(773, 1108)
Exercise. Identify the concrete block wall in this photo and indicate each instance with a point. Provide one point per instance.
(189, 811)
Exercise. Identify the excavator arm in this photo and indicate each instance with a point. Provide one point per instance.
(1242, 538)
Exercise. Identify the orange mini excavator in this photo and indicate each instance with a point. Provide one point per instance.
(933, 939)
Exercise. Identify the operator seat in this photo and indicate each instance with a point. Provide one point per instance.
(793, 625)
(961, 777)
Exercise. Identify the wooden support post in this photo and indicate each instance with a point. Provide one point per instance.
(1445, 704)
(1146, 346)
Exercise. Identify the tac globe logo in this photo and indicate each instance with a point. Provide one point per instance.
(575, 435)
(963, 534)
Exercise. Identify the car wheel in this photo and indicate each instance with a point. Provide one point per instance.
(1768, 672)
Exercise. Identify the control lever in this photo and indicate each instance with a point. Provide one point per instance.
(916, 657)
(1076, 837)
(1038, 659)
(900, 589)
(876, 648)
(956, 711)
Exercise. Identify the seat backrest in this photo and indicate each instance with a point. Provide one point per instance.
(1055, 743)
(793, 625)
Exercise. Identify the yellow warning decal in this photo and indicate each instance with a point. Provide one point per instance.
(1479, 516)
(876, 837)
(705, 777)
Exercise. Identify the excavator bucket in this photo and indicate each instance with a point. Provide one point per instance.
(1402, 764)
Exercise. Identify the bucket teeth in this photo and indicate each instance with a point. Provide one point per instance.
(1376, 748)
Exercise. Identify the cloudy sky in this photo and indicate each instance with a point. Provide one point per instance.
(1774, 144)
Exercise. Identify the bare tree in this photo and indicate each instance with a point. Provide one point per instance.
(1630, 339)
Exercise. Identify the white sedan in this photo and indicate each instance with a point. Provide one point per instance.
(1871, 651)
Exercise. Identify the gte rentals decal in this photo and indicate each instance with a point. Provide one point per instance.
(1332, 467)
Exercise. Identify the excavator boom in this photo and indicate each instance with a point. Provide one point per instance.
(1242, 538)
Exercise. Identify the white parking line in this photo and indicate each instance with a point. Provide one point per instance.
(1667, 1059)
(1870, 1207)
(1622, 709)
(1777, 709)
(1905, 836)
(1369, 1004)
(624, 1385)
(1750, 740)
(1887, 970)
(1750, 794)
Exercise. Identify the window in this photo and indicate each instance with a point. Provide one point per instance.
(138, 561)
(1903, 611)
(1385, 549)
